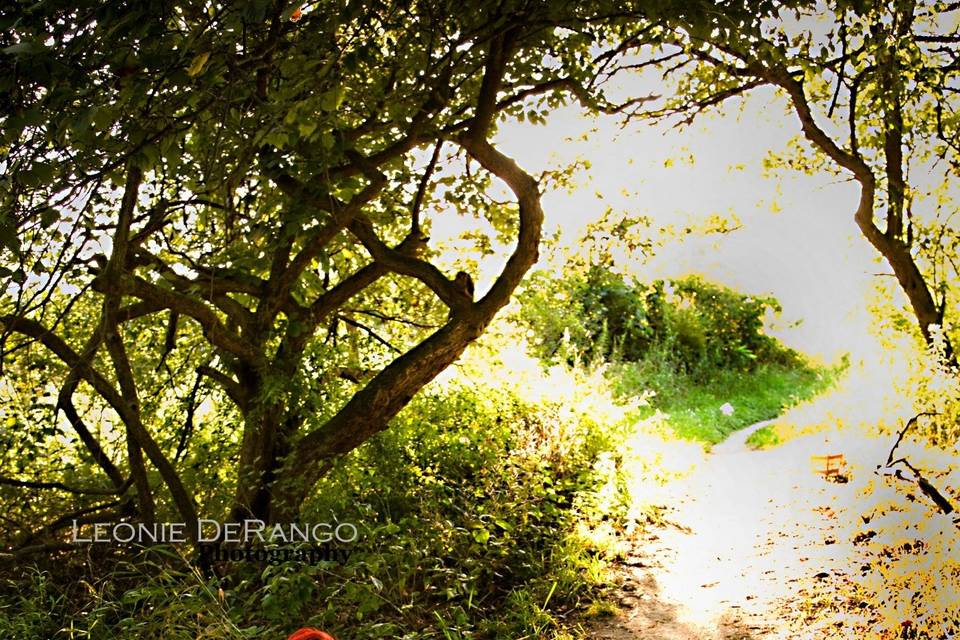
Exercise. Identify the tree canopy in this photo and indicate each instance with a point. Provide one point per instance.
(231, 204)
(874, 88)
(215, 219)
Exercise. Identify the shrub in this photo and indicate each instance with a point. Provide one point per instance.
(473, 510)
(696, 325)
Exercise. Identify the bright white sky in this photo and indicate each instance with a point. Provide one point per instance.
(808, 253)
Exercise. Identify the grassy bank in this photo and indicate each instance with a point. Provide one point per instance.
(695, 404)
(700, 348)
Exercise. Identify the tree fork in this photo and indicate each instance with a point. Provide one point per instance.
(370, 410)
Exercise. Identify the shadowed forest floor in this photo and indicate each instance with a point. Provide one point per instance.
(745, 537)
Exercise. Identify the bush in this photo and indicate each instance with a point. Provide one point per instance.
(467, 502)
(471, 510)
(583, 318)
(695, 325)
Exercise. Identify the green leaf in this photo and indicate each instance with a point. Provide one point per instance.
(102, 118)
(39, 173)
(24, 48)
(8, 235)
(332, 99)
(307, 128)
(198, 63)
(48, 216)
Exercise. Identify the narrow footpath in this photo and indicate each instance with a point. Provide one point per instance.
(747, 533)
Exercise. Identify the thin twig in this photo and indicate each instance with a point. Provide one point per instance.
(373, 334)
(903, 432)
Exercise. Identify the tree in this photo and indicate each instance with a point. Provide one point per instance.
(235, 199)
(873, 85)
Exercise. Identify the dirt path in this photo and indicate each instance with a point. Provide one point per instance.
(747, 530)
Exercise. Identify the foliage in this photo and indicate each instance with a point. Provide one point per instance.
(693, 325)
(479, 501)
(585, 318)
(228, 207)
(693, 345)
(695, 407)
(898, 573)
(935, 390)
(26, 607)
(476, 511)
(764, 438)
(214, 230)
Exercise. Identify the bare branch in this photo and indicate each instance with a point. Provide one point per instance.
(215, 331)
(422, 189)
(233, 389)
(388, 318)
(333, 299)
(64, 521)
(111, 333)
(373, 334)
(402, 262)
(65, 403)
(912, 421)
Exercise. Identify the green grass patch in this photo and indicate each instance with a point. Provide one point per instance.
(601, 609)
(763, 438)
(695, 404)
(699, 346)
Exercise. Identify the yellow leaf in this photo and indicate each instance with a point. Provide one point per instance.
(199, 61)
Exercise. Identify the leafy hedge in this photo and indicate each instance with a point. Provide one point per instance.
(696, 325)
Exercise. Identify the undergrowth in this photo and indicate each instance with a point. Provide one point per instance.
(698, 347)
(483, 513)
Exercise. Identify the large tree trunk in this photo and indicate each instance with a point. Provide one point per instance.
(366, 414)
(928, 314)
(256, 467)
(275, 485)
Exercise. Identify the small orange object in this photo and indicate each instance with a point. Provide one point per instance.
(296, 15)
(831, 464)
(310, 634)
